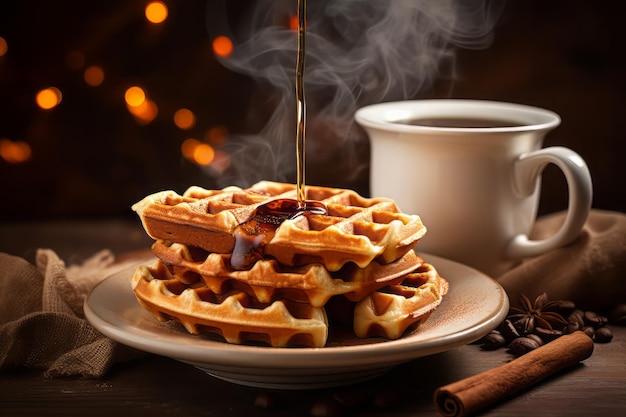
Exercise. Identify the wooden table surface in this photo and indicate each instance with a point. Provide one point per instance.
(153, 385)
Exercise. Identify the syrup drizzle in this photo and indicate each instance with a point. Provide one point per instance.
(301, 104)
(252, 235)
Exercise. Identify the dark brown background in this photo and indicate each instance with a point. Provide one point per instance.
(90, 158)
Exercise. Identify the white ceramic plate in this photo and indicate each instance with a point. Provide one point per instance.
(474, 305)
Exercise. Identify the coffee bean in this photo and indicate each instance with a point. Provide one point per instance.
(564, 307)
(536, 339)
(577, 316)
(493, 341)
(548, 335)
(521, 337)
(522, 345)
(508, 330)
(589, 331)
(592, 319)
(603, 335)
(571, 327)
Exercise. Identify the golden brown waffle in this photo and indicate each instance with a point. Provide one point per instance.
(267, 280)
(390, 311)
(234, 315)
(355, 229)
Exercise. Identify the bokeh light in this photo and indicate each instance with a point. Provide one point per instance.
(217, 135)
(145, 112)
(156, 12)
(94, 76)
(184, 119)
(293, 22)
(198, 152)
(14, 152)
(222, 46)
(4, 46)
(135, 96)
(203, 154)
(138, 104)
(48, 98)
(188, 147)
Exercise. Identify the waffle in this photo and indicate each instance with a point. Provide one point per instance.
(267, 280)
(241, 318)
(236, 316)
(390, 311)
(355, 229)
(250, 266)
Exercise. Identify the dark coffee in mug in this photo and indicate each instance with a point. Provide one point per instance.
(477, 190)
(462, 122)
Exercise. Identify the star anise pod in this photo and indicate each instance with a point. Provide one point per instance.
(538, 314)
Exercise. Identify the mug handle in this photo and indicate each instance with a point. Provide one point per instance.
(528, 167)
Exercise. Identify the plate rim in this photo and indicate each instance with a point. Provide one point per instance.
(223, 354)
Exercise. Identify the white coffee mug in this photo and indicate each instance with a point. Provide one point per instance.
(475, 182)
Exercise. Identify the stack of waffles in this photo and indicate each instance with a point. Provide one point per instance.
(242, 264)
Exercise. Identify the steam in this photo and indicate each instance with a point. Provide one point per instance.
(358, 52)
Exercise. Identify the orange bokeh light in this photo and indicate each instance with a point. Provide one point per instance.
(184, 119)
(217, 135)
(188, 147)
(156, 12)
(94, 76)
(48, 98)
(222, 46)
(140, 106)
(135, 96)
(203, 154)
(293, 22)
(4, 46)
(198, 152)
(145, 112)
(14, 152)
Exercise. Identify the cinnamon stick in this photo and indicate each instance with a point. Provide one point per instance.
(470, 395)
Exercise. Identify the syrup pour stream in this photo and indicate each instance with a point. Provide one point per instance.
(252, 235)
(301, 104)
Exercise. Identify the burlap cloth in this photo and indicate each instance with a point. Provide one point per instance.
(42, 324)
(591, 271)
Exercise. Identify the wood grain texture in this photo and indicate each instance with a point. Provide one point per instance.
(160, 386)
